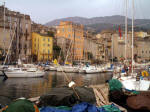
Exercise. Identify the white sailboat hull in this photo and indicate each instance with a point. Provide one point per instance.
(24, 74)
(60, 69)
(132, 84)
(81, 71)
(70, 69)
(92, 71)
(53, 68)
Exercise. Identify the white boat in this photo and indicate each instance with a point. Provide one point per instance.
(92, 69)
(134, 81)
(28, 70)
(52, 68)
(109, 70)
(81, 69)
(70, 69)
(60, 68)
(20, 72)
(131, 83)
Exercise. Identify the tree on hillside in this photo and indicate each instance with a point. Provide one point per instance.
(51, 33)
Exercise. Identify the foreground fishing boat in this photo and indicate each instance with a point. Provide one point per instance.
(136, 100)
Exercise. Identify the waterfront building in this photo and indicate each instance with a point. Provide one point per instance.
(101, 46)
(106, 41)
(141, 34)
(91, 47)
(141, 46)
(142, 49)
(42, 47)
(64, 44)
(73, 32)
(16, 27)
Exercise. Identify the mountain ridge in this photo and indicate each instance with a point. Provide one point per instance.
(109, 21)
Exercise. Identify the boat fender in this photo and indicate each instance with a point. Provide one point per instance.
(71, 84)
(145, 73)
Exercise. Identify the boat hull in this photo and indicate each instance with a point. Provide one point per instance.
(70, 70)
(25, 74)
(60, 69)
(92, 71)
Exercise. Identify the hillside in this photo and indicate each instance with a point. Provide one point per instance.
(101, 23)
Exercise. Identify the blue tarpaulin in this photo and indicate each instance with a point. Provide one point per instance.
(83, 107)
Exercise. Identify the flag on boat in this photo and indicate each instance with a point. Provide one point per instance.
(120, 34)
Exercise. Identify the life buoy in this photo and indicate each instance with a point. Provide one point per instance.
(145, 73)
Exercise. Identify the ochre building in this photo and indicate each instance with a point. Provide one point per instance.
(42, 47)
(73, 32)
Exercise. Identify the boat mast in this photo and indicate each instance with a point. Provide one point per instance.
(126, 28)
(112, 48)
(73, 43)
(4, 30)
(132, 32)
(68, 51)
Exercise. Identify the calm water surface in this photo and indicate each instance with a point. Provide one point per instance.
(32, 87)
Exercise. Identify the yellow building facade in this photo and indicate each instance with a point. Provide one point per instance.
(42, 47)
(74, 32)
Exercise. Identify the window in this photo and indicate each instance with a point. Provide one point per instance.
(48, 45)
(48, 39)
(63, 29)
(43, 51)
(43, 44)
(25, 51)
(142, 51)
(69, 36)
(48, 51)
(58, 31)
(15, 19)
(9, 18)
(20, 25)
(43, 39)
(26, 25)
(69, 29)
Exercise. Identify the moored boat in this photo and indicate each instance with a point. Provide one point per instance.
(92, 69)
(19, 72)
(70, 69)
(26, 71)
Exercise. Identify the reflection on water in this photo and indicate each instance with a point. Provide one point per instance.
(31, 87)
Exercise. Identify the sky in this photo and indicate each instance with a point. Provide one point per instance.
(43, 11)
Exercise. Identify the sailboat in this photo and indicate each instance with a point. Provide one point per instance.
(20, 70)
(24, 73)
(132, 82)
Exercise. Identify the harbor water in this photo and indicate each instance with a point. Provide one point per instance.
(14, 88)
